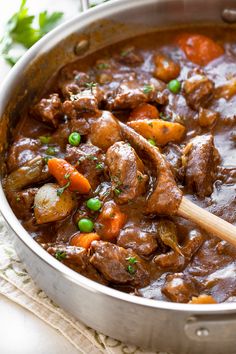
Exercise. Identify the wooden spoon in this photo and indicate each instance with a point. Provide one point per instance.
(185, 208)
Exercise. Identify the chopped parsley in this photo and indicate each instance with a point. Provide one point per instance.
(150, 124)
(99, 166)
(67, 176)
(147, 88)
(103, 66)
(61, 190)
(60, 255)
(18, 199)
(51, 151)
(164, 117)
(92, 158)
(117, 192)
(132, 260)
(131, 270)
(90, 85)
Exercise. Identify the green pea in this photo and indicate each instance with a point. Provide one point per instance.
(85, 225)
(174, 86)
(94, 204)
(152, 142)
(74, 139)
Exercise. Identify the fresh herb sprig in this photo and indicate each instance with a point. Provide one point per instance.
(25, 29)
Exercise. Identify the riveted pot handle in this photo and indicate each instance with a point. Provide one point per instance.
(84, 5)
(213, 328)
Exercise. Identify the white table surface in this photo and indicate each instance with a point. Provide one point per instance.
(21, 332)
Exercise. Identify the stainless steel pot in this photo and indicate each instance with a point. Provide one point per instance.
(178, 328)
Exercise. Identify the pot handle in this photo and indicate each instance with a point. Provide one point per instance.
(84, 5)
(203, 328)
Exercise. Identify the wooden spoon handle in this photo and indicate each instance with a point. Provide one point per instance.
(207, 221)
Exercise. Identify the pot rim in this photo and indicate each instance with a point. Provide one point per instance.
(42, 46)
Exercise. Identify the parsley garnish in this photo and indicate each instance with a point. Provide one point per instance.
(67, 176)
(150, 124)
(60, 255)
(132, 260)
(147, 89)
(117, 192)
(90, 85)
(20, 29)
(99, 166)
(131, 269)
(102, 66)
(164, 117)
(92, 158)
(61, 190)
(140, 178)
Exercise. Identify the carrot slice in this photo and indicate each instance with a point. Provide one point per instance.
(144, 111)
(159, 130)
(65, 174)
(84, 240)
(198, 48)
(203, 299)
(111, 220)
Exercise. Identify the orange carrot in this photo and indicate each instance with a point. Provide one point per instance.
(65, 174)
(111, 220)
(84, 240)
(198, 48)
(144, 111)
(203, 299)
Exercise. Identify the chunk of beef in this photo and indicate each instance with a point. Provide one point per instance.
(175, 261)
(105, 130)
(179, 288)
(21, 151)
(207, 117)
(141, 241)
(198, 90)
(114, 264)
(165, 68)
(87, 100)
(22, 203)
(126, 171)
(129, 56)
(89, 161)
(76, 258)
(130, 94)
(166, 196)
(173, 155)
(201, 165)
(49, 110)
(71, 82)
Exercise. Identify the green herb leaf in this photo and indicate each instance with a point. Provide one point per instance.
(147, 89)
(61, 190)
(60, 255)
(132, 260)
(20, 29)
(131, 270)
(48, 21)
(102, 66)
(117, 192)
(99, 166)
